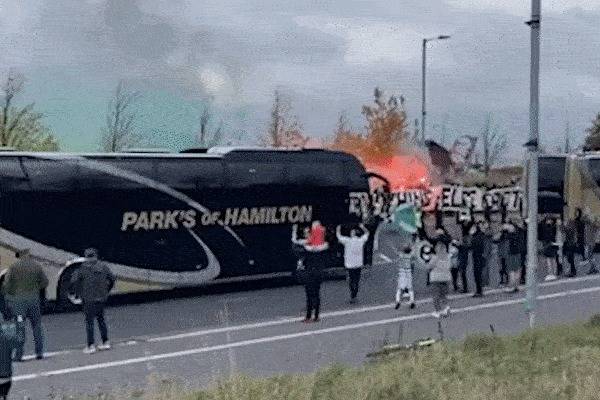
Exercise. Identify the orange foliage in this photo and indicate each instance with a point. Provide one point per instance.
(381, 147)
(386, 130)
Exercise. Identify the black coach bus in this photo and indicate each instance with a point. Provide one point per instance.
(173, 219)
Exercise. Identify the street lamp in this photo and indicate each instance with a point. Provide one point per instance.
(532, 170)
(423, 110)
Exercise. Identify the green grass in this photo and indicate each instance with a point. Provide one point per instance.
(554, 363)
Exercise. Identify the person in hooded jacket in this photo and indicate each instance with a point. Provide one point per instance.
(23, 284)
(93, 282)
(439, 267)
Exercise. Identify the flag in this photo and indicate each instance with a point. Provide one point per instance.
(406, 218)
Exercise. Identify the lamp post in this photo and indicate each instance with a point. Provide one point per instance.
(424, 80)
(532, 146)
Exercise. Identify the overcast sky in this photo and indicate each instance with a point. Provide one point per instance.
(326, 55)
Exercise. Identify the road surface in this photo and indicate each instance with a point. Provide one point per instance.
(200, 339)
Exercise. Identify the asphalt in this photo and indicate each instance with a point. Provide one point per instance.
(256, 330)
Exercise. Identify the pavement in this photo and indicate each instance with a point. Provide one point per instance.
(255, 329)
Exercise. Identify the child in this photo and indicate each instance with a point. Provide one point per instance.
(7, 345)
(404, 289)
(440, 276)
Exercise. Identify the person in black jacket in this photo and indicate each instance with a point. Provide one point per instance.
(513, 259)
(310, 260)
(522, 231)
(478, 248)
(8, 343)
(463, 252)
(93, 282)
(312, 284)
(547, 235)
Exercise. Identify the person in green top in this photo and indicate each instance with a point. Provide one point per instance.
(24, 282)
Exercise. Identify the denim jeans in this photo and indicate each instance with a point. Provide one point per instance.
(23, 310)
(95, 311)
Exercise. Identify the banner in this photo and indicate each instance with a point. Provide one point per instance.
(446, 198)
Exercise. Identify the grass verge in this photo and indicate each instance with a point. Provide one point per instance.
(560, 362)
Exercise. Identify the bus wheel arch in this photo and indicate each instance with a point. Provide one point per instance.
(64, 295)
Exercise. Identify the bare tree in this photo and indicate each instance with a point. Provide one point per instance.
(592, 141)
(22, 127)
(208, 137)
(493, 143)
(284, 129)
(121, 117)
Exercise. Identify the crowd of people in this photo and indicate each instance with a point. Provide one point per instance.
(24, 282)
(447, 257)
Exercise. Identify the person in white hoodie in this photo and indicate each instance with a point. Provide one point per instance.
(440, 277)
(353, 256)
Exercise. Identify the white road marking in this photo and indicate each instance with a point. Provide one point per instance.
(385, 258)
(270, 339)
(289, 320)
(46, 355)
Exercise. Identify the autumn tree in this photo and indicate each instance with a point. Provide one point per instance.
(386, 124)
(209, 134)
(284, 129)
(386, 129)
(345, 138)
(121, 116)
(493, 144)
(22, 127)
(592, 141)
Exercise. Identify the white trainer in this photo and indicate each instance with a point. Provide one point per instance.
(89, 350)
(104, 346)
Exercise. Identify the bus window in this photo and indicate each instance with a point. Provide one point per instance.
(356, 175)
(190, 173)
(250, 173)
(12, 174)
(62, 176)
(145, 167)
(552, 174)
(318, 174)
(594, 169)
(104, 173)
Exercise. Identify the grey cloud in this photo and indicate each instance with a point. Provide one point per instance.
(258, 46)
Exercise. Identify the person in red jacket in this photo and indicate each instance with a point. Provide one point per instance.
(311, 265)
(316, 237)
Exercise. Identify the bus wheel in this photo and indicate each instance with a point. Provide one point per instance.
(66, 300)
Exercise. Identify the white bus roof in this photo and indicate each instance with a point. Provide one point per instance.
(213, 152)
